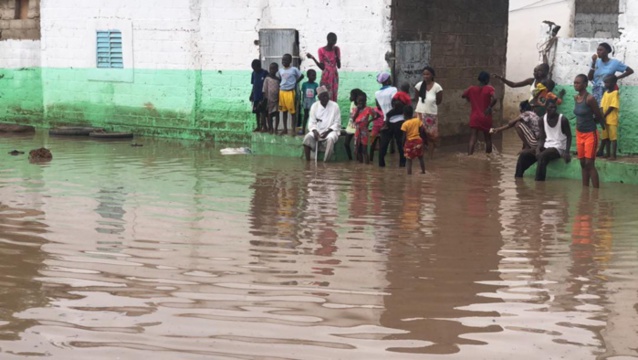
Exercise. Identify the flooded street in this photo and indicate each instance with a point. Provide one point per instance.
(173, 251)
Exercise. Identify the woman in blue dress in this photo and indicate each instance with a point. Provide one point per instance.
(601, 66)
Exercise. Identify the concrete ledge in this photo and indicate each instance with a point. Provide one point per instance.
(290, 146)
(624, 171)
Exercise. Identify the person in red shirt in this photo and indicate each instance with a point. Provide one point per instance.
(481, 98)
(404, 94)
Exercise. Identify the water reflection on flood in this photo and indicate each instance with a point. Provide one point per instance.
(173, 251)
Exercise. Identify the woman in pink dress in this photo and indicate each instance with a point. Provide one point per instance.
(329, 61)
(482, 99)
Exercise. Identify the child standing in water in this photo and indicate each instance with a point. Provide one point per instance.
(481, 98)
(413, 148)
(257, 94)
(375, 135)
(610, 105)
(290, 77)
(271, 97)
(350, 128)
(363, 116)
(430, 96)
(309, 91)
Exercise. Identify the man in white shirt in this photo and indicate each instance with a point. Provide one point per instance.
(324, 124)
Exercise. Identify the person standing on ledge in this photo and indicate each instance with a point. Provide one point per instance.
(324, 124)
(257, 95)
(601, 66)
(329, 62)
(541, 72)
(290, 78)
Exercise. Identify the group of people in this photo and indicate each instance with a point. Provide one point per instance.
(274, 91)
(546, 134)
(392, 119)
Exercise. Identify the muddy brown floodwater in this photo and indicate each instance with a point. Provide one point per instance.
(173, 251)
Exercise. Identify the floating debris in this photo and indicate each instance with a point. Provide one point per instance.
(41, 154)
(16, 152)
(73, 130)
(101, 134)
(236, 151)
(16, 129)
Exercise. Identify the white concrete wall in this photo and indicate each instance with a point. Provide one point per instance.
(15, 54)
(574, 54)
(524, 33)
(211, 34)
(627, 45)
(573, 57)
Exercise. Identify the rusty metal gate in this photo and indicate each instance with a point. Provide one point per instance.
(274, 43)
(410, 59)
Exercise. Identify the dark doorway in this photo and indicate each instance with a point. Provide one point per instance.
(411, 58)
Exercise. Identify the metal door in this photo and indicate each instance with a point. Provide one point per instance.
(274, 43)
(410, 59)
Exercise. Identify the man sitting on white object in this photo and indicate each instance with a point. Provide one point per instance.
(324, 124)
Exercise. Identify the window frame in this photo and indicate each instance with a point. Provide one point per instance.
(109, 49)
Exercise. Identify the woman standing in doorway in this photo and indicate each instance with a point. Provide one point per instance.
(601, 66)
(329, 62)
(587, 115)
(430, 96)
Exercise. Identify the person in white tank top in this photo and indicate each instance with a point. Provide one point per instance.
(554, 142)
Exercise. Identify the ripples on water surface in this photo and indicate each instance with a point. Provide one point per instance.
(173, 251)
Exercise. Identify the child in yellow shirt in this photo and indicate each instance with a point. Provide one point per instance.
(412, 128)
(610, 105)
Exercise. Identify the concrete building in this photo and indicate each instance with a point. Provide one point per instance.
(614, 22)
(585, 24)
(525, 31)
(182, 69)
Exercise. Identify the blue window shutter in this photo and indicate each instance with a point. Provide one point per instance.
(109, 49)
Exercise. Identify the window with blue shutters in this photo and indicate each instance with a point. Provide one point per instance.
(109, 49)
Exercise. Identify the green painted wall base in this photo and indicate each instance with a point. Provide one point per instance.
(289, 146)
(186, 104)
(618, 171)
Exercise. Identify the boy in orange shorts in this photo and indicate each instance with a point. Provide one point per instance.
(610, 105)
